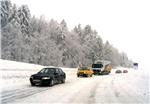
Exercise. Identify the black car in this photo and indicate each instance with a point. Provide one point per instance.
(48, 76)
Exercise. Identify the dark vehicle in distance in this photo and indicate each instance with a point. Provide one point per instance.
(125, 71)
(48, 76)
(118, 71)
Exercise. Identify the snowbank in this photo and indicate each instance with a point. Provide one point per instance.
(14, 73)
(13, 65)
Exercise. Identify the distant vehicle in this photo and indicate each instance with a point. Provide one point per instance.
(125, 71)
(84, 71)
(48, 76)
(101, 67)
(118, 71)
(135, 66)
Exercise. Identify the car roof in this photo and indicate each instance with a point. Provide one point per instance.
(52, 67)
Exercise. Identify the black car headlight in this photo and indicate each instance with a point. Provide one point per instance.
(45, 77)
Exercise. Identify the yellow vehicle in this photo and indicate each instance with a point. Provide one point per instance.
(84, 71)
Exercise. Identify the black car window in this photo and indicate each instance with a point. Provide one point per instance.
(47, 70)
(51, 70)
(57, 71)
(60, 70)
(44, 70)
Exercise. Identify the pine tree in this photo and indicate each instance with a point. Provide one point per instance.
(6, 12)
(24, 22)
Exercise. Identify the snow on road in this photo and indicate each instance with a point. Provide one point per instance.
(124, 88)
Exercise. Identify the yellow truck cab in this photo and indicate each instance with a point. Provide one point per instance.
(84, 71)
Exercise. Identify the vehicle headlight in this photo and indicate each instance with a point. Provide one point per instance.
(46, 78)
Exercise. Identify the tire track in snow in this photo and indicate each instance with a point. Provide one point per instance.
(9, 96)
(84, 94)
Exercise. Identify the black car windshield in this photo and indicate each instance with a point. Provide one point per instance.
(97, 66)
(46, 70)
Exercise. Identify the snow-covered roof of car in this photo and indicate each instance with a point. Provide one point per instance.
(50, 67)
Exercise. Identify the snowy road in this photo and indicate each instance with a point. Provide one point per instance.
(130, 88)
(9, 96)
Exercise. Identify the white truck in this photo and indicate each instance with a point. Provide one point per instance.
(101, 67)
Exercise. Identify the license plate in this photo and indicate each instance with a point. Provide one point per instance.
(36, 80)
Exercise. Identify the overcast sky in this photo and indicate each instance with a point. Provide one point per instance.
(124, 23)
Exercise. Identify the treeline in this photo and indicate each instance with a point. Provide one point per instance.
(26, 38)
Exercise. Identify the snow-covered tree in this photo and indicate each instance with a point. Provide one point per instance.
(26, 38)
(6, 12)
(24, 18)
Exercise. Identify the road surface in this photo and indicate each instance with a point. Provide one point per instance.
(129, 88)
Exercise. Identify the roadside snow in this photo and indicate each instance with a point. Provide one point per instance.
(131, 87)
(13, 65)
(16, 74)
(124, 88)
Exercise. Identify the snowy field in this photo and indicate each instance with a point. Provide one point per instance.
(18, 73)
(124, 88)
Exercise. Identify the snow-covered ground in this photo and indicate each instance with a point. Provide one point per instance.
(124, 88)
(17, 73)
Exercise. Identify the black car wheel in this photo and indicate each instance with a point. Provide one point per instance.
(63, 80)
(59, 82)
(32, 84)
(51, 82)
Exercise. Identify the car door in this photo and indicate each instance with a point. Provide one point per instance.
(57, 75)
(62, 74)
(53, 74)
